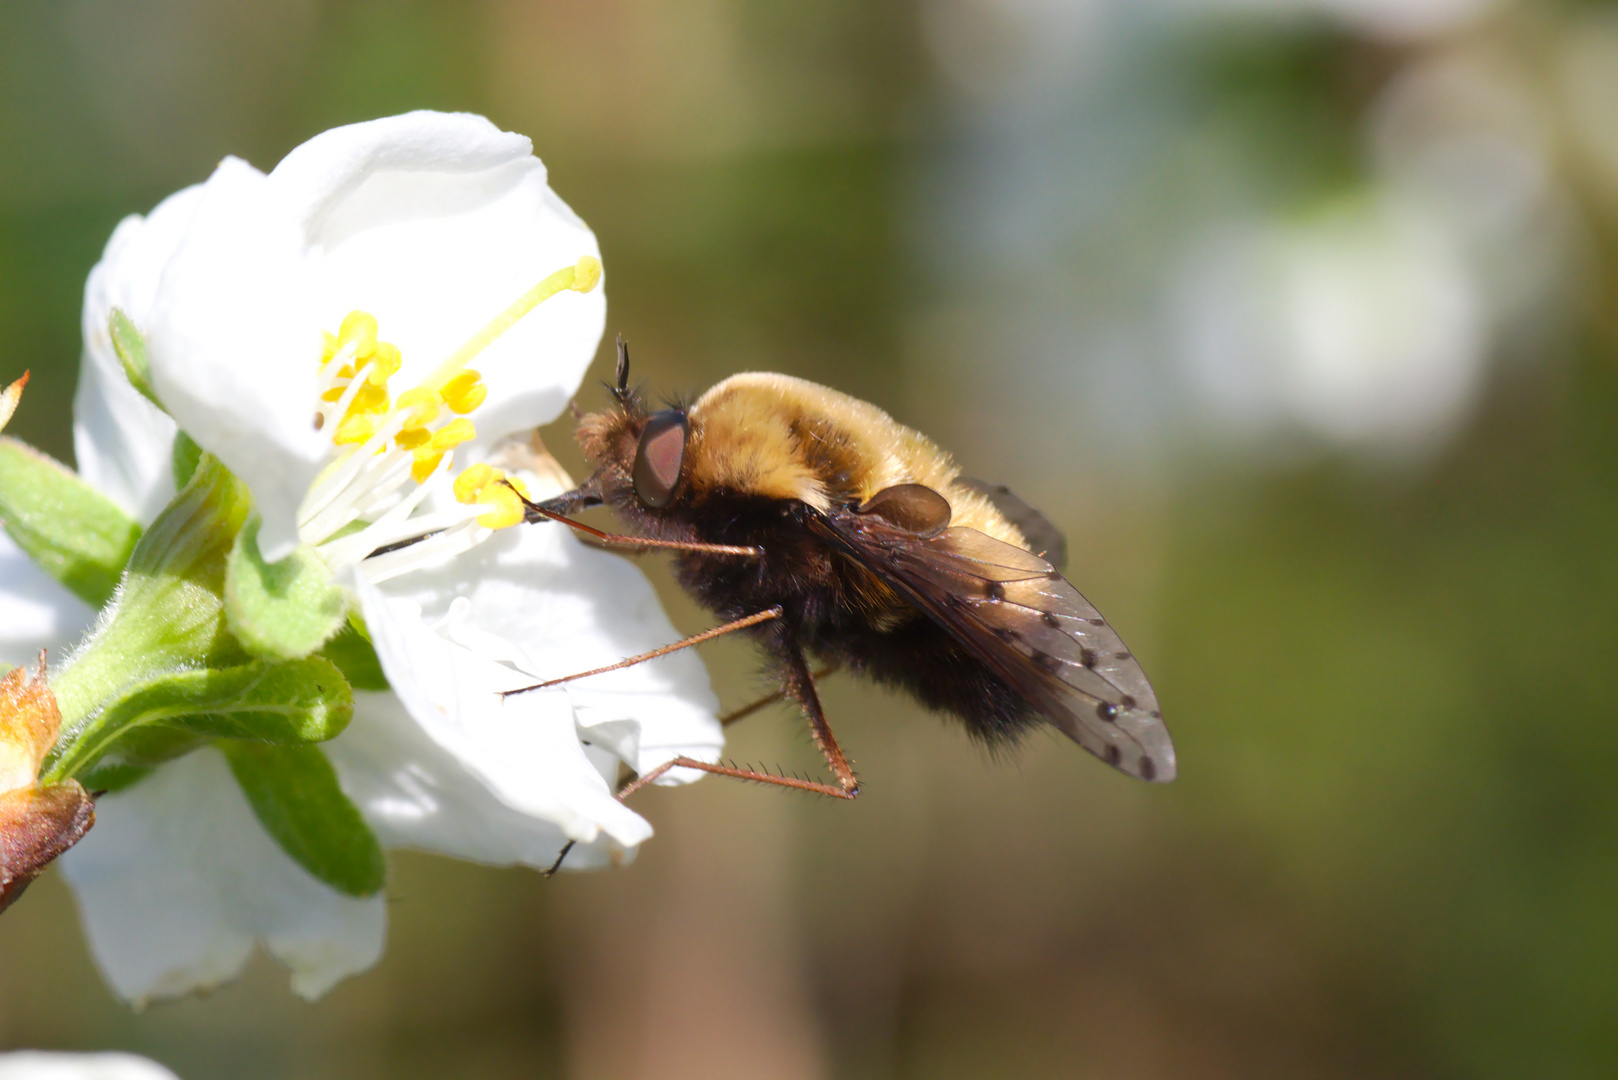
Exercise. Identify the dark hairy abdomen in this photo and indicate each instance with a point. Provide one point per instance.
(827, 611)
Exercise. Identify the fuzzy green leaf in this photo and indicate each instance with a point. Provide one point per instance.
(351, 651)
(170, 612)
(72, 531)
(281, 610)
(168, 716)
(294, 792)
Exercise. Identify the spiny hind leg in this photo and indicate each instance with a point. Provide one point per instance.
(752, 707)
(798, 684)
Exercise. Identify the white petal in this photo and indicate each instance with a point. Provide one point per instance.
(235, 349)
(571, 608)
(523, 749)
(177, 880)
(434, 223)
(124, 442)
(320, 174)
(418, 793)
(52, 1065)
(36, 612)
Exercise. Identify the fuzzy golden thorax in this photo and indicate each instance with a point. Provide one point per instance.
(779, 437)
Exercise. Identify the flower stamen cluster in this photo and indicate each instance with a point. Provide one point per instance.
(385, 450)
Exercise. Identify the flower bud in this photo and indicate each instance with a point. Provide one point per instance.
(37, 823)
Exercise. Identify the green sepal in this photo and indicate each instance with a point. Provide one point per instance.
(281, 610)
(168, 716)
(113, 776)
(351, 651)
(130, 346)
(184, 458)
(73, 532)
(294, 792)
(169, 615)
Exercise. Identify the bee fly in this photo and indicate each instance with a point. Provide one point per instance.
(822, 527)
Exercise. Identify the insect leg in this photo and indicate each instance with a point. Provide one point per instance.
(848, 789)
(799, 685)
(770, 699)
(694, 639)
(740, 774)
(538, 512)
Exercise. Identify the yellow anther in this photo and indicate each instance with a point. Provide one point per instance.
(506, 510)
(473, 479)
(370, 398)
(453, 434)
(333, 394)
(359, 330)
(413, 438)
(522, 488)
(425, 464)
(423, 403)
(465, 391)
(328, 346)
(586, 273)
(355, 428)
(386, 360)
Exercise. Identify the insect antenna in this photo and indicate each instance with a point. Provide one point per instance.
(627, 398)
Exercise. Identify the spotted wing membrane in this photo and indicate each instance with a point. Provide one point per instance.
(1018, 615)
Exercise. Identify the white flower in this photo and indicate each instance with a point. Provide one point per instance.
(337, 286)
(51, 1065)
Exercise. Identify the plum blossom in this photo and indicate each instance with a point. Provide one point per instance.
(314, 329)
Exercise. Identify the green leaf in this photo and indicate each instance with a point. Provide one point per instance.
(169, 614)
(76, 534)
(184, 458)
(168, 716)
(294, 792)
(351, 651)
(131, 349)
(283, 610)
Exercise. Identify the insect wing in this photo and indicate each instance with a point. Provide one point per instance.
(1018, 615)
(1042, 536)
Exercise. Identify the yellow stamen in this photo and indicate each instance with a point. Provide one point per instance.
(412, 438)
(507, 509)
(484, 485)
(359, 327)
(425, 464)
(370, 398)
(473, 479)
(581, 277)
(465, 391)
(355, 428)
(423, 403)
(387, 361)
(453, 434)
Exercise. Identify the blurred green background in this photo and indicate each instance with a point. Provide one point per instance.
(1296, 314)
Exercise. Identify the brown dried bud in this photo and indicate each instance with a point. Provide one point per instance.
(36, 825)
(29, 720)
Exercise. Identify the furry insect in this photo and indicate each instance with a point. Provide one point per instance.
(820, 526)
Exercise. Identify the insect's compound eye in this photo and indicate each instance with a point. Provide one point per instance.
(660, 456)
